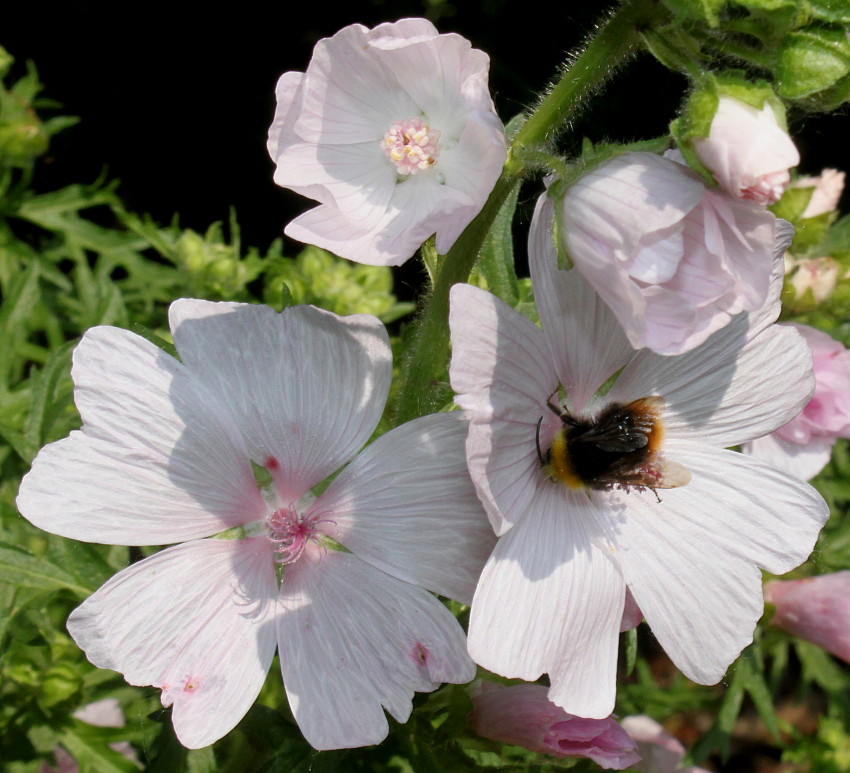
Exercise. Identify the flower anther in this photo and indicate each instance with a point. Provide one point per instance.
(291, 532)
(411, 145)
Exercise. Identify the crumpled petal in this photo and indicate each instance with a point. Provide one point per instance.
(354, 641)
(196, 621)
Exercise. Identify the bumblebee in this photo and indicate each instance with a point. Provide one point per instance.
(619, 448)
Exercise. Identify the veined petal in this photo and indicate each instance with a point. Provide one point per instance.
(407, 506)
(195, 621)
(502, 372)
(307, 387)
(745, 381)
(354, 641)
(802, 461)
(551, 600)
(692, 561)
(159, 458)
(585, 341)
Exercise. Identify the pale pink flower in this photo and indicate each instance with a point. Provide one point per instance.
(748, 152)
(660, 751)
(828, 187)
(674, 260)
(522, 715)
(803, 446)
(816, 609)
(166, 453)
(394, 132)
(552, 594)
(818, 275)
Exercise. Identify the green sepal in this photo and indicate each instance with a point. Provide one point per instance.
(707, 11)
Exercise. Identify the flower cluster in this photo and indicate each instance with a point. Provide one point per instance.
(585, 484)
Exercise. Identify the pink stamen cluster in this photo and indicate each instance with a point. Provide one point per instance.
(411, 145)
(291, 531)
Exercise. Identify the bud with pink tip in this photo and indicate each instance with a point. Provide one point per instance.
(522, 715)
(826, 191)
(816, 609)
(747, 151)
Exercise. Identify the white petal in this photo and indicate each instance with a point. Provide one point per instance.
(502, 372)
(551, 600)
(802, 461)
(194, 621)
(585, 340)
(744, 382)
(692, 560)
(407, 506)
(159, 458)
(353, 640)
(307, 387)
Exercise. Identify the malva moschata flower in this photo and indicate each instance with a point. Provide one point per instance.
(595, 490)
(394, 132)
(803, 446)
(660, 751)
(172, 451)
(674, 260)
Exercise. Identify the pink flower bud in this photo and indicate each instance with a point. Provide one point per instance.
(522, 715)
(816, 609)
(803, 446)
(747, 151)
(828, 186)
(660, 752)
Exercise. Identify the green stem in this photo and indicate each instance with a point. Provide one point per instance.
(426, 357)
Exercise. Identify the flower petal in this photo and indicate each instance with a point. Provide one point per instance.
(742, 383)
(502, 372)
(584, 338)
(353, 640)
(194, 621)
(406, 505)
(307, 387)
(551, 600)
(802, 461)
(158, 460)
(692, 560)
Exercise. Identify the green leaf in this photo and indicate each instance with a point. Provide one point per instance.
(834, 11)
(496, 261)
(43, 385)
(812, 60)
(93, 755)
(17, 567)
(19, 299)
(631, 650)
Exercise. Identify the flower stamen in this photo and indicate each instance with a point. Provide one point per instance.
(411, 145)
(291, 532)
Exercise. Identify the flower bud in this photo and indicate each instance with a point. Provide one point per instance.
(818, 275)
(816, 609)
(826, 191)
(804, 445)
(660, 752)
(747, 151)
(522, 715)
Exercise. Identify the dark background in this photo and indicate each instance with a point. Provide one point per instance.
(175, 100)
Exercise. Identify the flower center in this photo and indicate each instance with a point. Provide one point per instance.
(411, 145)
(291, 532)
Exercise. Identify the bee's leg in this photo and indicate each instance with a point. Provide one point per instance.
(554, 407)
(537, 442)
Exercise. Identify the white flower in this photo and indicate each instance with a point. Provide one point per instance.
(165, 455)
(394, 132)
(650, 502)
